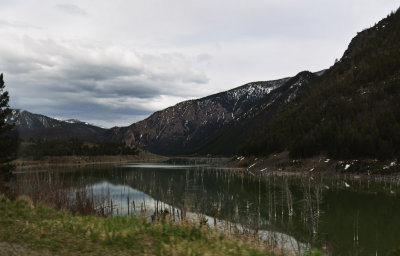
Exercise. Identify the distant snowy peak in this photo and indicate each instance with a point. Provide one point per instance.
(29, 121)
(76, 121)
(280, 95)
(246, 96)
(26, 120)
(72, 121)
(35, 126)
(255, 90)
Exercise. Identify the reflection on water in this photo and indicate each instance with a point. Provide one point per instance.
(346, 216)
(161, 166)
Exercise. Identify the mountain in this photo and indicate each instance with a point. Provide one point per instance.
(190, 126)
(29, 125)
(229, 139)
(182, 128)
(186, 128)
(354, 108)
(350, 110)
(25, 120)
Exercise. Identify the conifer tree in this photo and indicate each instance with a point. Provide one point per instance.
(4, 108)
(7, 145)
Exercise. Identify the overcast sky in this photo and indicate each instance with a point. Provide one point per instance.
(115, 62)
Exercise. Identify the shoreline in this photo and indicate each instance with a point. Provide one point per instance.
(278, 164)
(61, 161)
(282, 164)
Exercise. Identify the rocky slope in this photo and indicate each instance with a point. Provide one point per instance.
(182, 128)
(189, 126)
(229, 139)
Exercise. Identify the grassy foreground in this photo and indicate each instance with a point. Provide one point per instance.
(49, 232)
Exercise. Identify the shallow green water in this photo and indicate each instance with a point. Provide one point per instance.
(348, 216)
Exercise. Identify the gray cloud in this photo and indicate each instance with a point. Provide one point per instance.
(93, 81)
(16, 24)
(71, 9)
(204, 57)
(126, 59)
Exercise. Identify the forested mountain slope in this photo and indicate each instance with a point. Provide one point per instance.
(353, 111)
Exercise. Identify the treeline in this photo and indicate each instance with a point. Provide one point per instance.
(70, 147)
(354, 111)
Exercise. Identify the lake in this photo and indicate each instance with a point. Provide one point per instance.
(347, 216)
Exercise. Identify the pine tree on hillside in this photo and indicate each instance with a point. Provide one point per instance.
(4, 108)
(7, 145)
(352, 111)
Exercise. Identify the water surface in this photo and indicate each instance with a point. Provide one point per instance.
(347, 216)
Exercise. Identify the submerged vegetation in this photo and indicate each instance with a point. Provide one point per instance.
(75, 195)
(277, 212)
(56, 232)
